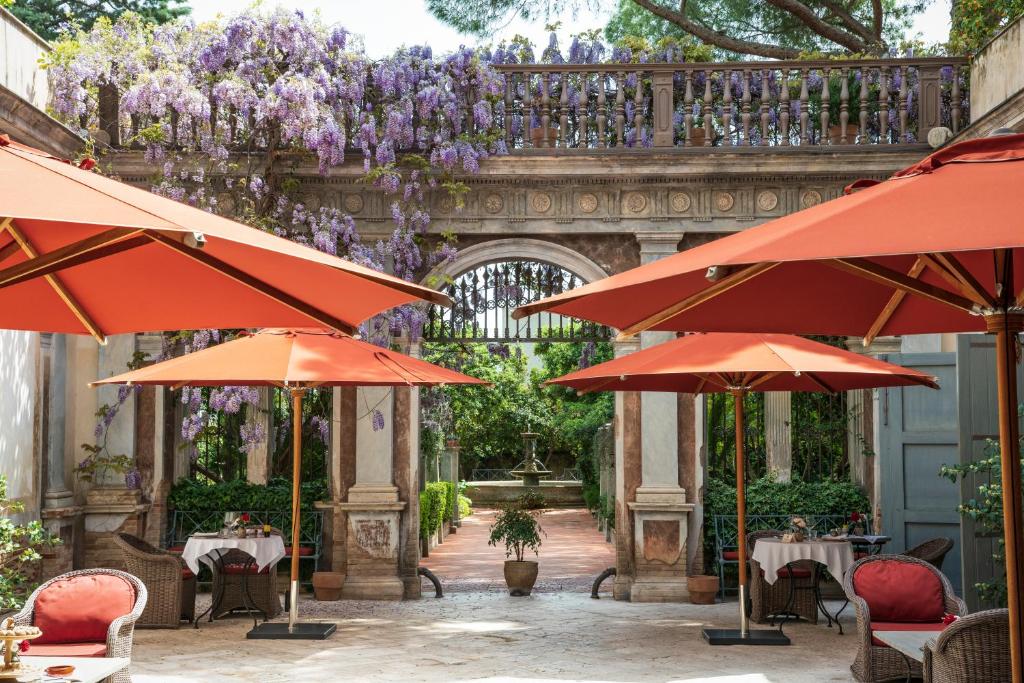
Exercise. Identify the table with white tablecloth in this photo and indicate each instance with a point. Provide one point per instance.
(264, 552)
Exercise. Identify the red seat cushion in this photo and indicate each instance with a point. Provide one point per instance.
(187, 574)
(176, 549)
(859, 555)
(66, 650)
(796, 572)
(902, 626)
(732, 555)
(304, 551)
(79, 609)
(234, 568)
(900, 591)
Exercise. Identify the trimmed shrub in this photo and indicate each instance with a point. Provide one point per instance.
(188, 494)
(432, 502)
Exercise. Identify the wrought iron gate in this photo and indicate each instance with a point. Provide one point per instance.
(486, 296)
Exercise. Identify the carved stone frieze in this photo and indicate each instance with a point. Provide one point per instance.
(587, 202)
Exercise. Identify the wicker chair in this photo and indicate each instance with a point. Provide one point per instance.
(767, 599)
(171, 586)
(227, 577)
(932, 551)
(973, 649)
(120, 631)
(877, 662)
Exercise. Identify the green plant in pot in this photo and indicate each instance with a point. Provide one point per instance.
(519, 530)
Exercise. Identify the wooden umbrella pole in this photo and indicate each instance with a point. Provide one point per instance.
(293, 588)
(741, 509)
(1005, 329)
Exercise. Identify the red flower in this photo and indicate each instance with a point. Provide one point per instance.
(949, 619)
(87, 164)
(245, 517)
(23, 646)
(855, 516)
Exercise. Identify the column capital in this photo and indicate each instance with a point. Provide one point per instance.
(656, 244)
(625, 347)
(878, 346)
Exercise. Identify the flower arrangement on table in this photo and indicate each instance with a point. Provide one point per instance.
(239, 527)
(797, 531)
(14, 643)
(857, 520)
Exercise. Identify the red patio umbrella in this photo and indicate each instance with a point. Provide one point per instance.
(936, 248)
(737, 364)
(84, 254)
(297, 360)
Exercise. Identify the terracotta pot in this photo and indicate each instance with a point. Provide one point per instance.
(537, 136)
(327, 585)
(697, 137)
(702, 589)
(835, 134)
(520, 577)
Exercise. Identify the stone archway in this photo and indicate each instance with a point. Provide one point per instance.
(519, 248)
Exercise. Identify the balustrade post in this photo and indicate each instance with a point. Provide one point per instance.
(904, 77)
(844, 104)
(582, 111)
(708, 112)
(784, 108)
(745, 100)
(663, 108)
(563, 113)
(804, 113)
(727, 107)
(109, 107)
(638, 110)
(863, 106)
(929, 103)
(954, 100)
(826, 100)
(688, 111)
(620, 108)
(509, 103)
(883, 105)
(766, 99)
(545, 109)
(602, 113)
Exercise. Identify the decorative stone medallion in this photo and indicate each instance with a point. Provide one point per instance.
(767, 200)
(587, 202)
(636, 202)
(810, 198)
(353, 203)
(541, 202)
(724, 201)
(493, 203)
(680, 202)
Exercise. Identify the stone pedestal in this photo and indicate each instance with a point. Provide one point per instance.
(660, 549)
(109, 511)
(372, 545)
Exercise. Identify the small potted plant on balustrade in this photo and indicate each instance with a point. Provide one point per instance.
(519, 530)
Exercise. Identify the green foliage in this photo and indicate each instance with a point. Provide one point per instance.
(766, 496)
(591, 496)
(975, 22)
(634, 27)
(19, 551)
(47, 17)
(432, 507)
(987, 512)
(465, 506)
(481, 17)
(450, 498)
(237, 495)
(518, 530)
(531, 500)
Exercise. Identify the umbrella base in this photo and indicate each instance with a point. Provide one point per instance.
(301, 631)
(733, 636)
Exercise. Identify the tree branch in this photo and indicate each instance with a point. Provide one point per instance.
(822, 28)
(717, 38)
(857, 27)
(877, 15)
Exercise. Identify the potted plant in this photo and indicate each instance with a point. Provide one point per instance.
(702, 589)
(327, 585)
(519, 530)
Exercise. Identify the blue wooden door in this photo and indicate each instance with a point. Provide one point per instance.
(919, 433)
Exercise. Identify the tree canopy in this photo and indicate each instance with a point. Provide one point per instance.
(777, 29)
(48, 17)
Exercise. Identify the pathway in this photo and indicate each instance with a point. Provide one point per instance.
(572, 553)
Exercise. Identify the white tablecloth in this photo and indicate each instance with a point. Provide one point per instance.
(267, 551)
(772, 554)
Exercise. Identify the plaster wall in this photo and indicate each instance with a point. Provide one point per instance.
(19, 405)
(20, 51)
(996, 72)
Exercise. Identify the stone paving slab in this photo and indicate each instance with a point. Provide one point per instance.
(546, 638)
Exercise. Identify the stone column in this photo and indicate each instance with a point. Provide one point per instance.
(257, 461)
(341, 468)
(452, 448)
(659, 509)
(627, 477)
(778, 433)
(373, 505)
(59, 512)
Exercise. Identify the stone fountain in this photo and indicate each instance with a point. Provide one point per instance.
(531, 470)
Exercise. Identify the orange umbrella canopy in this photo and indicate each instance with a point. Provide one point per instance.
(82, 253)
(729, 361)
(294, 358)
(944, 228)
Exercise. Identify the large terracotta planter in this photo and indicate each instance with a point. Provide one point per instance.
(835, 134)
(327, 585)
(537, 136)
(520, 577)
(696, 137)
(702, 589)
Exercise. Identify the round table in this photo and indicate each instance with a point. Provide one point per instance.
(210, 550)
(772, 554)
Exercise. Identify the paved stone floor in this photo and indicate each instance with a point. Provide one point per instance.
(572, 553)
(478, 633)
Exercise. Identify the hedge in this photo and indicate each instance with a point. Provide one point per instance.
(437, 505)
(188, 494)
